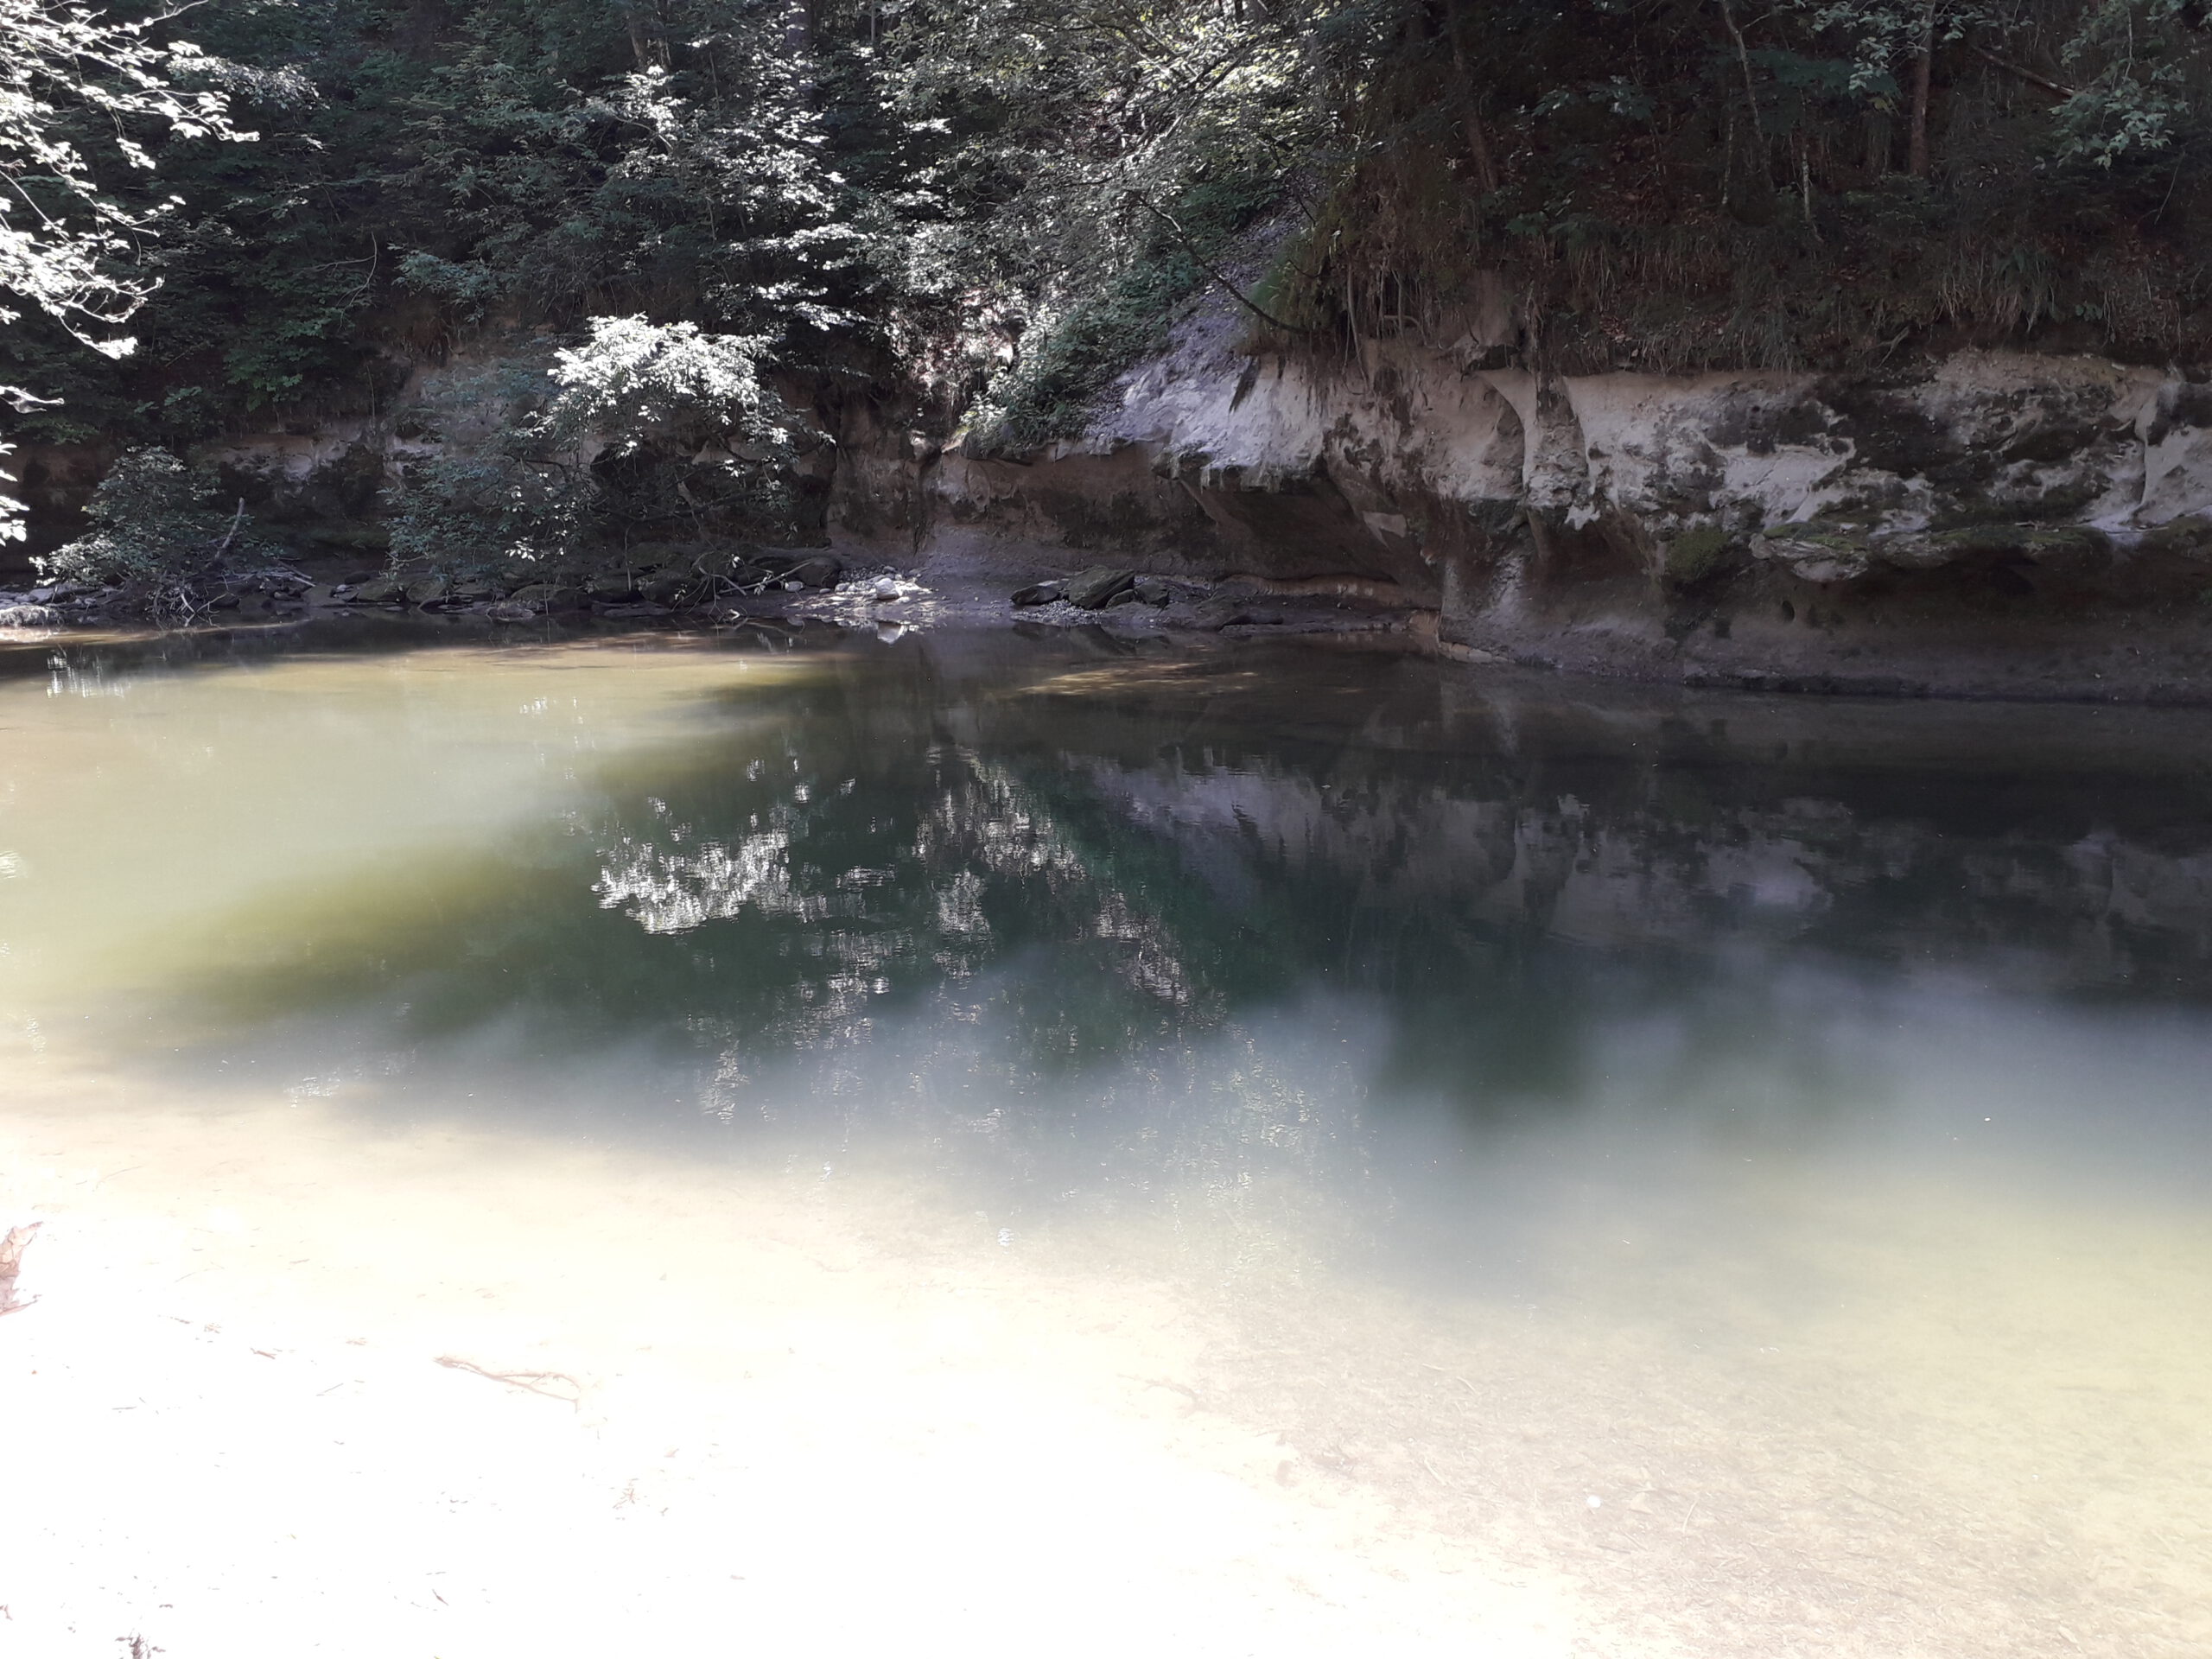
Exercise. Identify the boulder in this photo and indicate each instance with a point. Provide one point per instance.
(377, 590)
(426, 590)
(510, 610)
(1042, 593)
(1097, 588)
(816, 570)
(548, 596)
(611, 586)
(1150, 590)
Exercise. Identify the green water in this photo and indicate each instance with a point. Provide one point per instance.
(1793, 1114)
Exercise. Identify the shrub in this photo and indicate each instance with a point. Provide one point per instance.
(618, 433)
(157, 524)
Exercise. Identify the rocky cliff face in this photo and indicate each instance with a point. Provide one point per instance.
(2000, 522)
(1983, 524)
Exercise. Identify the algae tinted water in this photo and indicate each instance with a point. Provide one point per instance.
(1744, 1159)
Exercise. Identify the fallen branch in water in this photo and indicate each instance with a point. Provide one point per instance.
(529, 1382)
(11, 1263)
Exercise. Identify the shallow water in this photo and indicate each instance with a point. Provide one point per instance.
(1737, 1166)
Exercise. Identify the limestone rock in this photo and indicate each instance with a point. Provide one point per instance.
(1821, 556)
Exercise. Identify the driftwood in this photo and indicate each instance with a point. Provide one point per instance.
(11, 1263)
(530, 1382)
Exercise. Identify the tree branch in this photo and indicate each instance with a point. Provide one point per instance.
(2028, 75)
(1200, 261)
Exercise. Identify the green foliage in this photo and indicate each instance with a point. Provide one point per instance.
(989, 208)
(78, 90)
(1070, 360)
(155, 522)
(539, 459)
(1779, 186)
(2140, 73)
(636, 379)
(484, 509)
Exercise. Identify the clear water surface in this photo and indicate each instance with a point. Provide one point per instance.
(1749, 1155)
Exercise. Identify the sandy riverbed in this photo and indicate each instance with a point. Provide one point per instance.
(779, 1411)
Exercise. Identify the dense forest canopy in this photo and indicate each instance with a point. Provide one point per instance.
(993, 205)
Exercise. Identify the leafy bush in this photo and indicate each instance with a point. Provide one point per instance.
(479, 509)
(157, 524)
(632, 378)
(639, 422)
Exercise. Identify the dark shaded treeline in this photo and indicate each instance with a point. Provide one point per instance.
(986, 208)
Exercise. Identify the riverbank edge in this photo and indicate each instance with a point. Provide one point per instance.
(977, 595)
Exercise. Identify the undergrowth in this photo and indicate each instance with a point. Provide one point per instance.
(1072, 359)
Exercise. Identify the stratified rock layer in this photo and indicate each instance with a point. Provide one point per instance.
(1989, 523)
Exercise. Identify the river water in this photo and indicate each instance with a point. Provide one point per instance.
(1261, 1148)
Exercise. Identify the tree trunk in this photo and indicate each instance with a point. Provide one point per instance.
(1751, 86)
(648, 42)
(1923, 73)
(1470, 118)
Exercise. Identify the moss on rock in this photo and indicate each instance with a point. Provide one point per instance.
(1695, 556)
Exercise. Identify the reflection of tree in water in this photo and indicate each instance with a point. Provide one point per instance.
(872, 885)
(1063, 907)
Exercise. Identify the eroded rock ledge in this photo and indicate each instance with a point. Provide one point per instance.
(1992, 524)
